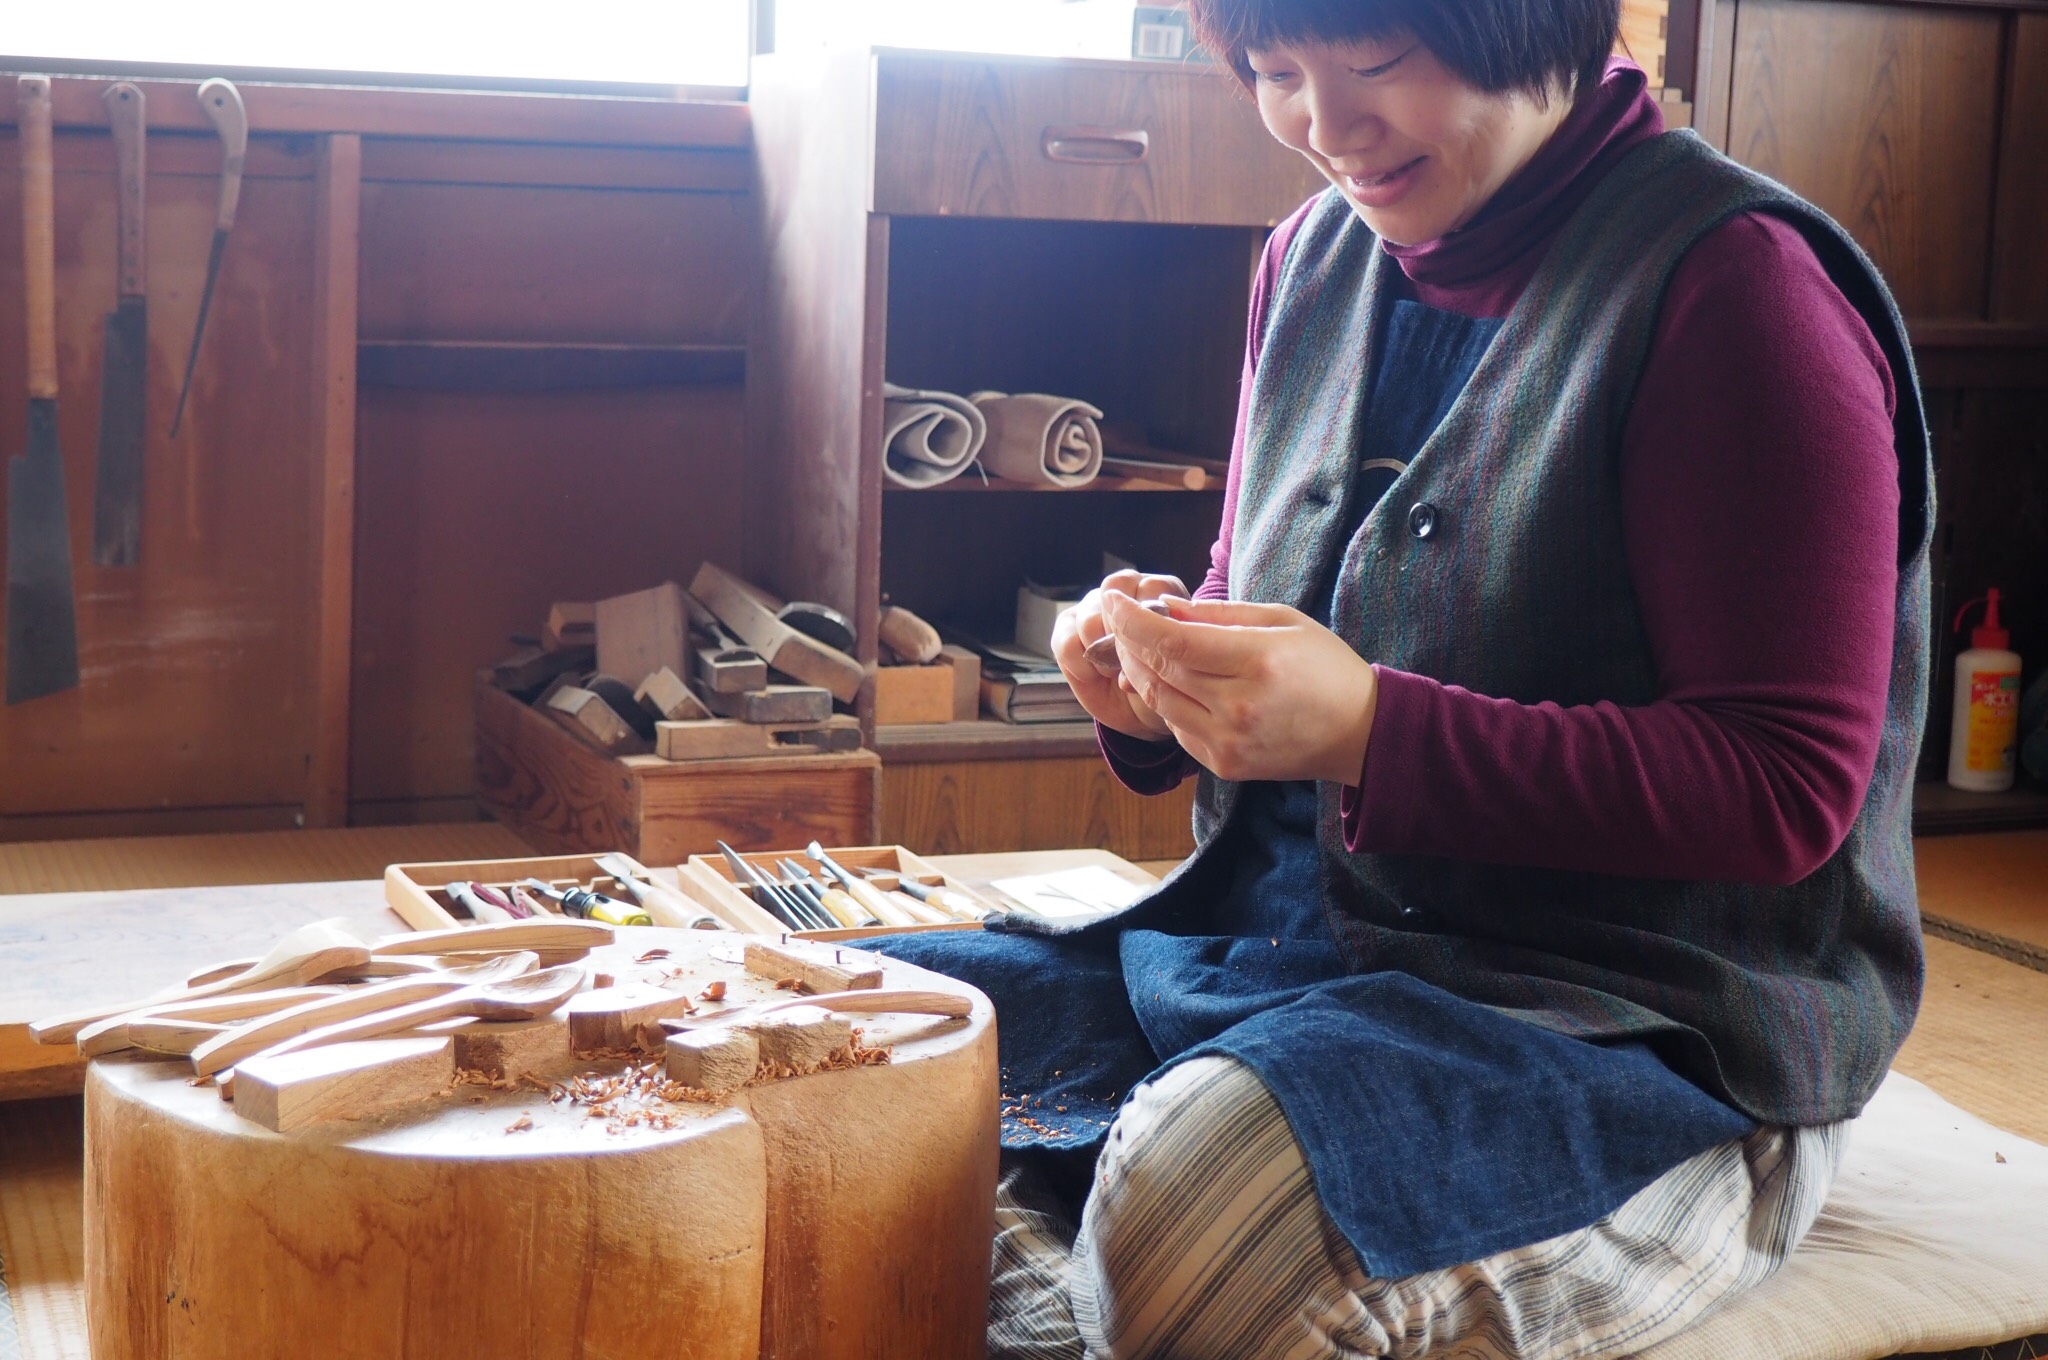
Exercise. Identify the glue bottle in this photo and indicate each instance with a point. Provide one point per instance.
(1987, 705)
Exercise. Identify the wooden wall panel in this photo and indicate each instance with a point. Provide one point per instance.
(494, 262)
(196, 665)
(1886, 116)
(2019, 258)
(475, 511)
(969, 807)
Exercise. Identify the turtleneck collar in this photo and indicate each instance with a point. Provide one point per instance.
(1481, 268)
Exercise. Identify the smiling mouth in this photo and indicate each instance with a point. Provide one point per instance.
(1375, 181)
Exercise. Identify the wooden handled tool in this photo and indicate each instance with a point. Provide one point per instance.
(664, 905)
(875, 902)
(307, 954)
(514, 998)
(269, 1031)
(221, 102)
(124, 363)
(42, 611)
(957, 904)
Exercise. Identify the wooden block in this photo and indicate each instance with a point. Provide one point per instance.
(913, 694)
(815, 968)
(570, 625)
(638, 634)
(966, 681)
(666, 696)
(342, 1081)
(908, 636)
(802, 1036)
(622, 1017)
(750, 613)
(729, 670)
(532, 667)
(591, 718)
(728, 739)
(513, 1048)
(772, 704)
(716, 1059)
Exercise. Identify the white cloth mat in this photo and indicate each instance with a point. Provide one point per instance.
(928, 437)
(1935, 1237)
(1033, 437)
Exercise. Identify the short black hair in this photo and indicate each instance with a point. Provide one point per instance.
(1494, 45)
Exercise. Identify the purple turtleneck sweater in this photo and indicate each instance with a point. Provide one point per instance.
(1760, 502)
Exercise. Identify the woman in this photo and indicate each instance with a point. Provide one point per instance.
(1554, 696)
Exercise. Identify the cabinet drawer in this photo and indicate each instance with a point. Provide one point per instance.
(1080, 140)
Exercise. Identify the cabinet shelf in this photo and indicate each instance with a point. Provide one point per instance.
(1939, 810)
(523, 366)
(930, 743)
(1002, 486)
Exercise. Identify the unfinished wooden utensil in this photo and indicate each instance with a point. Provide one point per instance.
(524, 997)
(308, 953)
(870, 1001)
(174, 1038)
(110, 1035)
(269, 1031)
(555, 933)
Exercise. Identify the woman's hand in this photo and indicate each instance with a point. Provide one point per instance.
(1108, 703)
(1252, 691)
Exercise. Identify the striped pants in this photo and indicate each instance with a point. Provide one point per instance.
(1202, 1236)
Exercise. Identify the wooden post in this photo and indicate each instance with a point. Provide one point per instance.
(338, 191)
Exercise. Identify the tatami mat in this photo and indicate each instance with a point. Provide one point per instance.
(120, 863)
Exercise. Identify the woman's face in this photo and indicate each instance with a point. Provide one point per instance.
(1416, 149)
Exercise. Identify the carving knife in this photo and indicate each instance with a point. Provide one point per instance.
(222, 104)
(42, 613)
(124, 380)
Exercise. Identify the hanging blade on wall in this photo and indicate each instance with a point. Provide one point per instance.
(42, 616)
(124, 381)
(222, 104)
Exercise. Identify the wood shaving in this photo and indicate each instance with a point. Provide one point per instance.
(635, 1097)
(520, 1125)
(715, 992)
(787, 984)
(651, 955)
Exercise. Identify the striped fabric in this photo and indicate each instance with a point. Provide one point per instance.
(1203, 1237)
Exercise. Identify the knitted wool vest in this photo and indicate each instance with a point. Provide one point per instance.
(1789, 1002)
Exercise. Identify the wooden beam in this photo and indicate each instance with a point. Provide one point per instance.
(338, 190)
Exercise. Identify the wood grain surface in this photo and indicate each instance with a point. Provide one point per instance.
(1886, 116)
(42, 1226)
(2019, 264)
(974, 806)
(961, 136)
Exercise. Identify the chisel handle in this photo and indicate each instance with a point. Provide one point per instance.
(38, 234)
(125, 118)
(221, 102)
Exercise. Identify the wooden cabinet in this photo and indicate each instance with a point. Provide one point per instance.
(1923, 129)
(964, 223)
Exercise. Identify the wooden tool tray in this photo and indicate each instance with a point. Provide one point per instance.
(419, 892)
(709, 879)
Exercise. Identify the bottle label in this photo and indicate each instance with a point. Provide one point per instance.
(1994, 720)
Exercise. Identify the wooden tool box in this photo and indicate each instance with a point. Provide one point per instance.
(564, 796)
(709, 879)
(419, 892)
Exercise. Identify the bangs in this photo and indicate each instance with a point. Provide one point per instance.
(1232, 28)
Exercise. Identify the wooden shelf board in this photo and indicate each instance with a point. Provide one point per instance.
(1940, 810)
(972, 483)
(926, 743)
(519, 366)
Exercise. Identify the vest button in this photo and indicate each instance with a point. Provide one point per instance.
(1422, 519)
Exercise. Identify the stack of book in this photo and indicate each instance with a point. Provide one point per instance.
(1019, 685)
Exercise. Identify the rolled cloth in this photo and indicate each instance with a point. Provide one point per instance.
(928, 437)
(1033, 437)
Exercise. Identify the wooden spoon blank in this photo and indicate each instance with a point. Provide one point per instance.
(291, 972)
(517, 998)
(868, 1001)
(111, 1035)
(226, 1050)
(555, 934)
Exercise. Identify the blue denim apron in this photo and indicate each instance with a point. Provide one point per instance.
(1438, 1130)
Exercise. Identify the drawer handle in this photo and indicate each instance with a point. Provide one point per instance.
(1096, 145)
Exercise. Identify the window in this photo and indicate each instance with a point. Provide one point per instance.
(700, 43)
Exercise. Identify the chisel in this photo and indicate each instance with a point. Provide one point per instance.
(783, 904)
(221, 102)
(42, 613)
(861, 891)
(836, 903)
(960, 905)
(124, 362)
